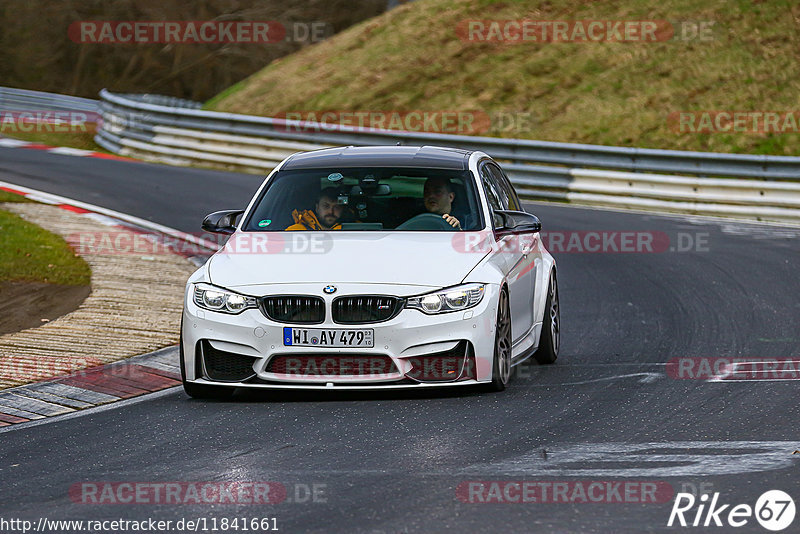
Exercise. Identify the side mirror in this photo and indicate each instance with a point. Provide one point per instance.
(516, 222)
(221, 222)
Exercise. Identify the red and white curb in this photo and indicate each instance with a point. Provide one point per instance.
(7, 142)
(109, 383)
(90, 387)
(114, 219)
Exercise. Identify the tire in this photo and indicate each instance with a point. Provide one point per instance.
(200, 391)
(501, 366)
(550, 340)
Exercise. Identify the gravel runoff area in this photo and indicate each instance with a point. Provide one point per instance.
(134, 306)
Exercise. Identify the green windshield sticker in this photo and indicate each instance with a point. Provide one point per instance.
(265, 222)
(335, 176)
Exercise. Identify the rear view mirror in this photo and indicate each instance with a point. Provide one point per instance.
(370, 186)
(221, 222)
(379, 190)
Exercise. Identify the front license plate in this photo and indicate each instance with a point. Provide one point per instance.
(321, 337)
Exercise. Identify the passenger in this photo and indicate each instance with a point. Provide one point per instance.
(438, 195)
(326, 214)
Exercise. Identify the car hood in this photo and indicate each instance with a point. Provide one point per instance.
(429, 259)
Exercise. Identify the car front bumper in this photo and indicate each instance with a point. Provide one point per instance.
(410, 342)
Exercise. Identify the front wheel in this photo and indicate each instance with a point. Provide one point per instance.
(501, 367)
(550, 339)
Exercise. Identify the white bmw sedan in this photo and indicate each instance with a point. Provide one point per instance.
(372, 267)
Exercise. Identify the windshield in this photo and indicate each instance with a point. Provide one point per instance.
(368, 199)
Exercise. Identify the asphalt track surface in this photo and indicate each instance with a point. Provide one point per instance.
(391, 462)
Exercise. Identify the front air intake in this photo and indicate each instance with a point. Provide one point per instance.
(332, 365)
(451, 365)
(223, 366)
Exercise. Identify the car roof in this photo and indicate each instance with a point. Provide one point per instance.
(429, 157)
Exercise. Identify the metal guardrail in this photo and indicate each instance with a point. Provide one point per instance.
(25, 100)
(177, 131)
(732, 185)
(161, 100)
(521, 151)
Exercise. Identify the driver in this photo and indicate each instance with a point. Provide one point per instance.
(438, 195)
(326, 214)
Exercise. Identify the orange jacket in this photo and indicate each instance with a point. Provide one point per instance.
(307, 220)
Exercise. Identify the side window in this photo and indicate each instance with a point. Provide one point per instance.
(493, 195)
(507, 190)
(512, 192)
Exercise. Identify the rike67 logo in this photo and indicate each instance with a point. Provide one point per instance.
(774, 510)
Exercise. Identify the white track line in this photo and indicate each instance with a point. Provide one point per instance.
(50, 198)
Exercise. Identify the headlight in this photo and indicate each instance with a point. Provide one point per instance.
(448, 300)
(215, 299)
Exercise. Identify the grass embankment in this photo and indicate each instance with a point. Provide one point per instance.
(82, 140)
(29, 253)
(609, 93)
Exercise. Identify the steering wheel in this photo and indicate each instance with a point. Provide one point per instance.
(426, 221)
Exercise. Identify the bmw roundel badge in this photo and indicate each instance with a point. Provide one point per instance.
(329, 290)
